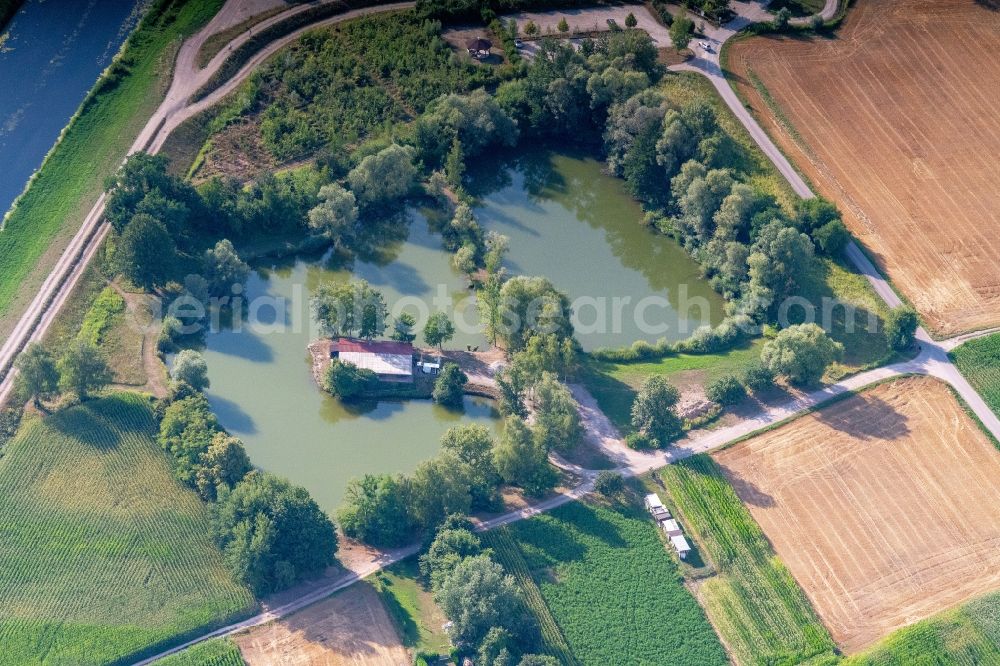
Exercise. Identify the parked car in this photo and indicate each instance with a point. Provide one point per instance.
(518, 43)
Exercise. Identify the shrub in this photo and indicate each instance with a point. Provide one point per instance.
(450, 385)
(346, 381)
(726, 390)
(758, 377)
(901, 327)
(609, 484)
(640, 441)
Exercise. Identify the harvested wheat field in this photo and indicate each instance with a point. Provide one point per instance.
(351, 627)
(895, 119)
(884, 506)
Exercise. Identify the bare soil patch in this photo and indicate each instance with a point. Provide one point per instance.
(895, 119)
(884, 506)
(351, 627)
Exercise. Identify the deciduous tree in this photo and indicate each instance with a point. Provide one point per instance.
(801, 353)
(190, 367)
(82, 369)
(654, 412)
(273, 534)
(477, 596)
(449, 386)
(439, 329)
(37, 376)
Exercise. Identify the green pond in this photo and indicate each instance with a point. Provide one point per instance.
(565, 219)
(263, 391)
(569, 221)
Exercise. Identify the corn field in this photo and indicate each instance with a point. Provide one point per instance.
(220, 652)
(104, 557)
(509, 555)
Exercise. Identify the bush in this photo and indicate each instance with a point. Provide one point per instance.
(609, 484)
(726, 390)
(640, 441)
(901, 327)
(346, 381)
(450, 386)
(758, 377)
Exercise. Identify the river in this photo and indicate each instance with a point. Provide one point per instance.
(51, 55)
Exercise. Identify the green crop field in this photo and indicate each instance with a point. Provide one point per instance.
(613, 588)
(964, 636)
(221, 652)
(94, 143)
(756, 605)
(104, 556)
(509, 555)
(979, 361)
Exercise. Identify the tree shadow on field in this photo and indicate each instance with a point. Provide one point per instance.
(868, 418)
(409, 630)
(747, 490)
(992, 5)
(85, 424)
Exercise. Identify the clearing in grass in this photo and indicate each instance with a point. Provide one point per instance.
(350, 627)
(614, 385)
(979, 361)
(888, 121)
(419, 620)
(613, 588)
(759, 611)
(105, 556)
(885, 506)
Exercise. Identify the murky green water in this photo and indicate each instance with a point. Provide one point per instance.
(570, 222)
(263, 392)
(565, 219)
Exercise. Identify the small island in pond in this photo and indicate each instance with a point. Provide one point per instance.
(393, 369)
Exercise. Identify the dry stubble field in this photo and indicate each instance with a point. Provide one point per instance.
(884, 506)
(351, 627)
(896, 120)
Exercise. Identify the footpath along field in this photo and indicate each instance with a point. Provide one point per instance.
(219, 652)
(104, 556)
(895, 120)
(885, 506)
